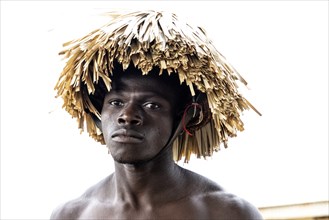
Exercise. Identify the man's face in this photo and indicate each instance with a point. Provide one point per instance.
(137, 117)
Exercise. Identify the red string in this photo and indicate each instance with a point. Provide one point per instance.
(184, 115)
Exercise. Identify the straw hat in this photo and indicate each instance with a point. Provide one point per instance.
(148, 39)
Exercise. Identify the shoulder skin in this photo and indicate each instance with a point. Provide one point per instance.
(74, 208)
(223, 205)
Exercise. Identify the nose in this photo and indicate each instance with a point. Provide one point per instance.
(130, 115)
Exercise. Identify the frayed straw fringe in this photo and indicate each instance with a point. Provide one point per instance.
(151, 39)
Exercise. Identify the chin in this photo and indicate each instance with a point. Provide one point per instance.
(130, 161)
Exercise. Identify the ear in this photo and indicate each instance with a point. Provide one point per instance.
(97, 121)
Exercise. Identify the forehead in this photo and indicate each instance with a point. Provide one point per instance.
(165, 87)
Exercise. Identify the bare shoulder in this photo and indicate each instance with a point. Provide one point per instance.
(220, 204)
(224, 205)
(69, 210)
(74, 209)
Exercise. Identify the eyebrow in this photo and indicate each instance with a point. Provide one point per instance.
(147, 94)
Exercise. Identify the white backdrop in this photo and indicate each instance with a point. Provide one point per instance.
(280, 47)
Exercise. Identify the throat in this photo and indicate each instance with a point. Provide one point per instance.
(146, 185)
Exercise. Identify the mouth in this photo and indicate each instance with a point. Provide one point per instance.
(127, 136)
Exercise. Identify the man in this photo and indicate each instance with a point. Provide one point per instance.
(153, 90)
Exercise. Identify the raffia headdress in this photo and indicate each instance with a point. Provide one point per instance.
(151, 39)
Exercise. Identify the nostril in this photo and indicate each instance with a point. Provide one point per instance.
(121, 121)
(127, 120)
(136, 122)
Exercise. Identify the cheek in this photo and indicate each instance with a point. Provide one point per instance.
(164, 128)
(107, 125)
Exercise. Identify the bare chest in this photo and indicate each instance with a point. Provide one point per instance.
(187, 209)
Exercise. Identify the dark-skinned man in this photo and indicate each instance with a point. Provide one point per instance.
(154, 90)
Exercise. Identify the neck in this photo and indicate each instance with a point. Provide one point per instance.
(147, 182)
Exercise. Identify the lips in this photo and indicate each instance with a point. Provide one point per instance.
(127, 136)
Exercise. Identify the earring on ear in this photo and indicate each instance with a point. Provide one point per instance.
(195, 106)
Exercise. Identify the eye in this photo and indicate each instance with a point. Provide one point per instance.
(151, 105)
(116, 103)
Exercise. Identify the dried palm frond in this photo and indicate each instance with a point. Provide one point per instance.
(151, 39)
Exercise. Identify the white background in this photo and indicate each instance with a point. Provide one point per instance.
(280, 47)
